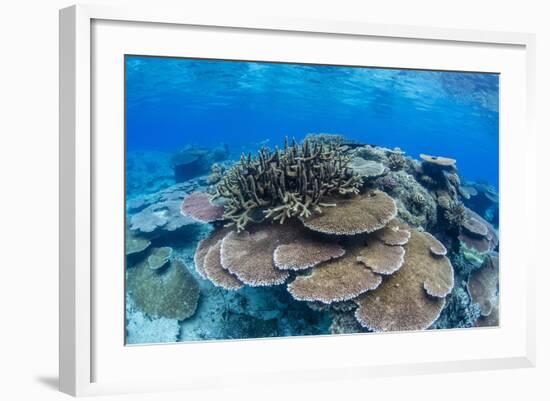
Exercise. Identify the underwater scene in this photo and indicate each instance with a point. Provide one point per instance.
(276, 199)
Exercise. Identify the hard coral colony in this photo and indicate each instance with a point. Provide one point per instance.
(336, 223)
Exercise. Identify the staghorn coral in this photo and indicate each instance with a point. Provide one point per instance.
(413, 297)
(249, 254)
(198, 206)
(285, 183)
(214, 271)
(364, 213)
(334, 281)
(483, 284)
(172, 293)
(159, 257)
(305, 253)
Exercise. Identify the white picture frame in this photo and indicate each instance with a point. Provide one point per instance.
(82, 344)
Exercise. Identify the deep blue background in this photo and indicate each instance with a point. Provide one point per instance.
(173, 102)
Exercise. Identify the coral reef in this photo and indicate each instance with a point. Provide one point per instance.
(477, 237)
(215, 272)
(135, 244)
(204, 246)
(249, 254)
(380, 257)
(172, 293)
(366, 168)
(483, 285)
(305, 253)
(415, 205)
(350, 229)
(460, 311)
(159, 257)
(335, 281)
(413, 297)
(199, 206)
(360, 214)
(439, 161)
(286, 183)
(393, 234)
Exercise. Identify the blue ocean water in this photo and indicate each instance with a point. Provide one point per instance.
(172, 102)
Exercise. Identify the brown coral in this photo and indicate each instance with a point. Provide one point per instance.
(439, 161)
(216, 273)
(199, 206)
(436, 247)
(172, 293)
(204, 246)
(336, 280)
(135, 244)
(305, 253)
(483, 284)
(393, 234)
(381, 258)
(159, 257)
(366, 168)
(249, 254)
(413, 297)
(359, 214)
(477, 243)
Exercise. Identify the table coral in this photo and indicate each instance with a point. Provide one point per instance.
(249, 254)
(135, 244)
(334, 281)
(305, 253)
(159, 257)
(199, 206)
(483, 284)
(214, 271)
(380, 257)
(358, 214)
(172, 293)
(413, 297)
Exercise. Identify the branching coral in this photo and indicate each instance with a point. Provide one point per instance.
(287, 182)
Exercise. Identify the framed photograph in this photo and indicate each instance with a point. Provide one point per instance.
(275, 199)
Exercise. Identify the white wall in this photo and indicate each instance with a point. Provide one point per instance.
(28, 197)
